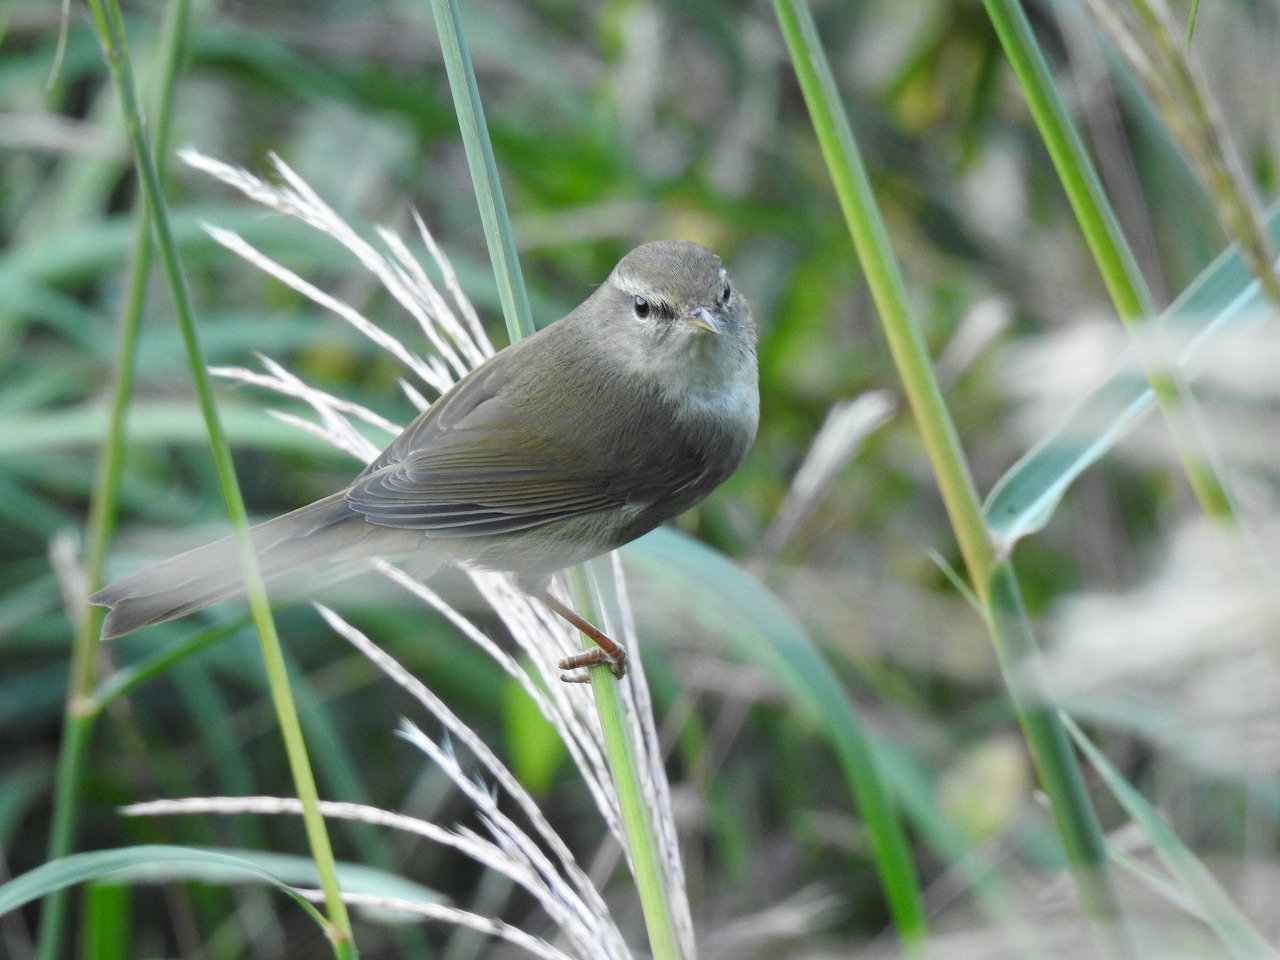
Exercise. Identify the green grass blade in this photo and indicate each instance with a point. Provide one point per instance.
(127, 679)
(42, 432)
(285, 868)
(1224, 298)
(884, 277)
(664, 940)
(1081, 835)
(105, 921)
(103, 504)
(1110, 251)
(1050, 751)
(764, 632)
(1097, 220)
(107, 19)
(484, 170)
(622, 755)
(82, 867)
(1211, 902)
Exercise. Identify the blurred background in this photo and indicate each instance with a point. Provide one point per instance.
(613, 124)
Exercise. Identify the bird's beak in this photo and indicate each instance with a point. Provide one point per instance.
(702, 318)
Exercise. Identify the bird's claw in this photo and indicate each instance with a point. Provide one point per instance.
(616, 661)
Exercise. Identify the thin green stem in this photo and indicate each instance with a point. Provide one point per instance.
(107, 18)
(80, 714)
(884, 278)
(484, 170)
(1111, 252)
(857, 201)
(663, 939)
(1183, 97)
(1094, 214)
(623, 763)
(1055, 764)
(1060, 775)
(104, 500)
(77, 733)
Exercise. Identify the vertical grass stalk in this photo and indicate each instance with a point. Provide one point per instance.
(1110, 251)
(1181, 94)
(663, 938)
(80, 713)
(110, 27)
(641, 835)
(1059, 773)
(498, 234)
(1055, 764)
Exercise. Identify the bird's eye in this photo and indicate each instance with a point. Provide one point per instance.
(641, 307)
(725, 294)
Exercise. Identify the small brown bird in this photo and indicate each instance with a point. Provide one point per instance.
(573, 441)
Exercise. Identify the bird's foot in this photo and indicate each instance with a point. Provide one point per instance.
(607, 651)
(615, 659)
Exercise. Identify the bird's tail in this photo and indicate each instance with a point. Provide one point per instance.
(193, 580)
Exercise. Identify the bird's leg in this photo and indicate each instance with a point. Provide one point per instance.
(606, 650)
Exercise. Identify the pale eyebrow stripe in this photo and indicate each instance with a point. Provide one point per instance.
(629, 284)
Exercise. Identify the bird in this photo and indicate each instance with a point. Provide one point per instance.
(560, 447)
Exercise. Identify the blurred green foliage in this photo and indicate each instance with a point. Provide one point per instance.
(613, 123)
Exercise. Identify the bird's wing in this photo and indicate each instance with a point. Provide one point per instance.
(475, 467)
(464, 486)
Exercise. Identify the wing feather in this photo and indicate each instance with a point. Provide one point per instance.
(475, 464)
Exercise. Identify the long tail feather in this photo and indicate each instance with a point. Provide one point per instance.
(193, 580)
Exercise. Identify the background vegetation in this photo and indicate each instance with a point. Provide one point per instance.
(614, 124)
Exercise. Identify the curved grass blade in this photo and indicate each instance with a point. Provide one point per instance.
(281, 869)
(763, 631)
(39, 432)
(1241, 938)
(1225, 297)
(734, 604)
(81, 867)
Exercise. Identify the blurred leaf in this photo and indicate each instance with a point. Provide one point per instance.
(986, 788)
(1224, 297)
(698, 584)
(156, 423)
(153, 862)
(105, 921)
(535, 749)
(730, 604)
(1211, 902)
(88, 250)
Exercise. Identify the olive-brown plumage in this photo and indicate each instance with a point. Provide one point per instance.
(567, 444)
